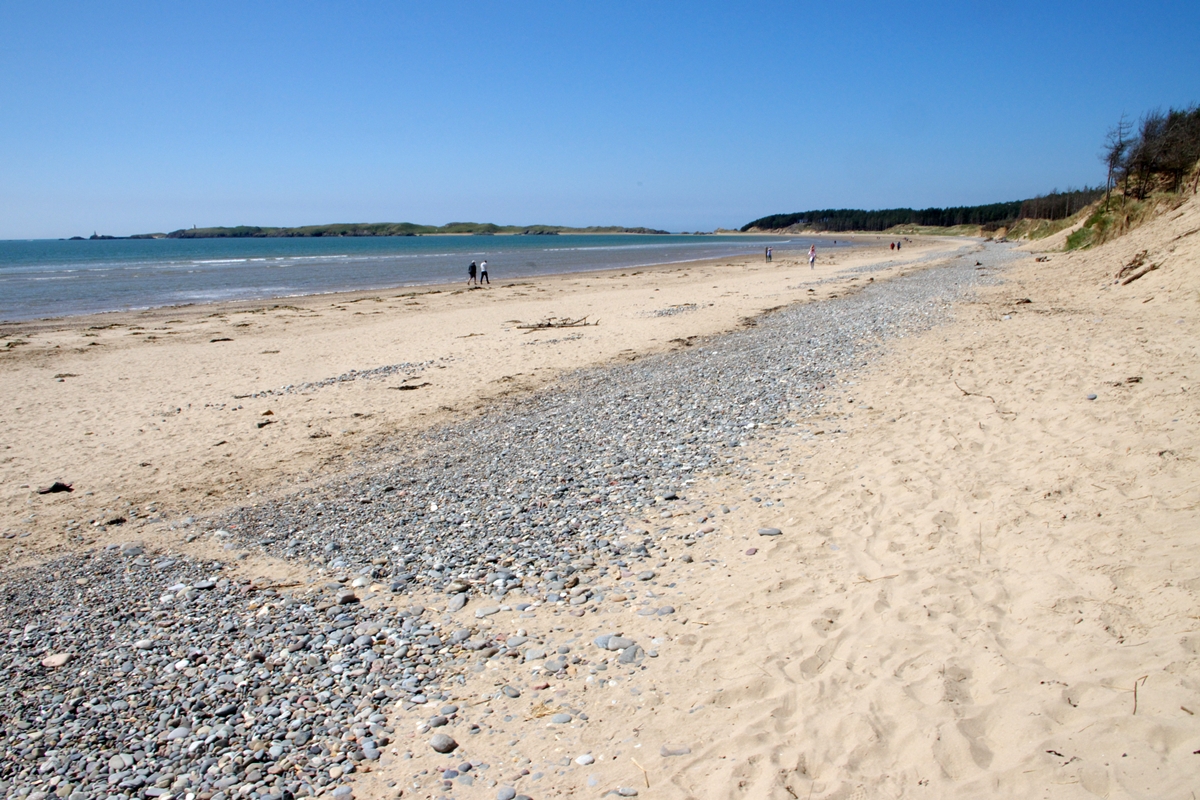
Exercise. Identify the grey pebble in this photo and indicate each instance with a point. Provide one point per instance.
(442, 743)
(769, 532)
(631, 655)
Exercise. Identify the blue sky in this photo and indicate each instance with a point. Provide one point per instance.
(136, 117)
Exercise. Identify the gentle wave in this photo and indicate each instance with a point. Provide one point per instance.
(52, 278)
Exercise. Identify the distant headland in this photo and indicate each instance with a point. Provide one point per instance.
(376, 229)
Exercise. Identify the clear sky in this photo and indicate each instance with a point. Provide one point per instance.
(135, 117)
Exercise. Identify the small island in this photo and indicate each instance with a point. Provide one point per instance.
(378, 229)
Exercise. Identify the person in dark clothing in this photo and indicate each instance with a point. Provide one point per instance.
(471, 274)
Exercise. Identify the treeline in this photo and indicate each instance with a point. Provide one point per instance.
(992, 216)
(385, 229)
(1156, 155)
(1059, 205)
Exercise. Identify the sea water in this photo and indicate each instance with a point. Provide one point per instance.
(54, 278)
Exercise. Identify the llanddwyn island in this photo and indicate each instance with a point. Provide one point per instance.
(372, 229)
(893, 497)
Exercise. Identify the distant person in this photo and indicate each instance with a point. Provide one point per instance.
(483, 278)
(471, 274)
(812, 257)
(891, 245)
(897, 245)
(768, 254)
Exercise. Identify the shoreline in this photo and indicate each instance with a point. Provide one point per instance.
(195, 430)
(860, 240)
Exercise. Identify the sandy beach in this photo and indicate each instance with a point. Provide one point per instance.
(186, 410)
(972, 573)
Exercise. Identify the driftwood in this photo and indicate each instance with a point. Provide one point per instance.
(1135, 265)
(558, 322)
(1138, 274)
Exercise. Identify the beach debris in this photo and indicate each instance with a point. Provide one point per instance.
(220, 339)
(1135, 269)
(1143, 271)
(264, 423)
(1139, 682)
(408, 387)
(56, 487)
(558, 322)
(669, 750)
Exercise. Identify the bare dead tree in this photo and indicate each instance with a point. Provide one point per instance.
(1116, 145)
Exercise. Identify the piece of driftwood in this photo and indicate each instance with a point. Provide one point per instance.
(1138, 274)
(558, 322)
(1135, 263)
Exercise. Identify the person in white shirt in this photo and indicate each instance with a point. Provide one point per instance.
(483, 278)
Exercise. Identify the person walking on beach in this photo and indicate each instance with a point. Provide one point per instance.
(812, 257)
(768, 254)
(483, 278)
(471, 274)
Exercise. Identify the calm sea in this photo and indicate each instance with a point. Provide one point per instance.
(53, 278)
